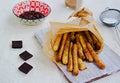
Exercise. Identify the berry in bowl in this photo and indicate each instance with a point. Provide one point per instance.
(31, 12)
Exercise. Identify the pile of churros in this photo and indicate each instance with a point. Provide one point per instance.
(73, 48)
(82, 13)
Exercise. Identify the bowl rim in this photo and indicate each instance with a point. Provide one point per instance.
(30, 1)
(106, 10)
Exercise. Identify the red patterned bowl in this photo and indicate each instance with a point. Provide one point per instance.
(34, 6)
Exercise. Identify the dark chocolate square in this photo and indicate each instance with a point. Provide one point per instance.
(25, 55)
(25, 68)
(16, 44)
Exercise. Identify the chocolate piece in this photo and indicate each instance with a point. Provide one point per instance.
(25, 68)
(16, 44)
(31, 15)
(25, 55)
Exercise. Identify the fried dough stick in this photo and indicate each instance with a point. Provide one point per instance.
(75, 60)
(82, 13)
(81, 64)
(83, 35)
(80, 49)
(89, 38)
(59, 57)
(70, 58)
(96, 42)
(66, 51)
(99, 63)
(57, 42)
(72, 36)
(85, 49)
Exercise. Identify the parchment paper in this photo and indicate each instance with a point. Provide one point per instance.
(109, 57)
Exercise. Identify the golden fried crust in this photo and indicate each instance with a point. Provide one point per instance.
(70, 58)
(89, 38)
(80, 49)
(85, 49)
(75, 61)
(66, 51)
(59, 56)
(72, 36)
(57, 42)
(99, 63)
(81, 64)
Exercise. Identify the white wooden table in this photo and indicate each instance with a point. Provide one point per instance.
(44, 70)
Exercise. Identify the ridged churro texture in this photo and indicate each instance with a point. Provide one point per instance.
(72, 44)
